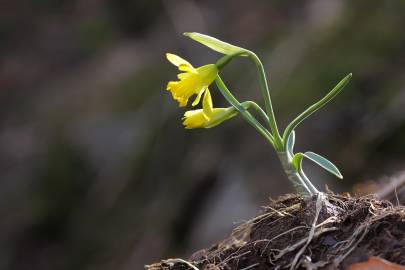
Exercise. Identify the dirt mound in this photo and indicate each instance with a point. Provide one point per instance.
(323, 232)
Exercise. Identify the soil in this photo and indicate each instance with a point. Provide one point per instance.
(322, 232)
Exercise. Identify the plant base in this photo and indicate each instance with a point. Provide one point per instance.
(291, 234)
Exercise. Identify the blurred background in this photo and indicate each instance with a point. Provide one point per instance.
(96, 169)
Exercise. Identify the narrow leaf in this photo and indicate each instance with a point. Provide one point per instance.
(290, 143)
(324, 163)
(316, 106)
(216, 44)
(297, 161)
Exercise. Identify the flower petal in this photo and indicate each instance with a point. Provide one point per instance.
(198, 98)
(183, 76)
(191, 82)
(170, 85)
(207, 103)
(187, 68)
(183, 65)
(220, 115)
(194, 119)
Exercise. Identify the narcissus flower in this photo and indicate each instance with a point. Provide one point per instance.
(193, 81)
(208, 116)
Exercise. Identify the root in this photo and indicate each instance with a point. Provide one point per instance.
(250, 266)
(302, 242)
(278, 236)
(354, 240)
(171, 263)
(311, 232)
(234, 256)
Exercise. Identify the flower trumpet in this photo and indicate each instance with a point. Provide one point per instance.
(208, 116)
(193, 81)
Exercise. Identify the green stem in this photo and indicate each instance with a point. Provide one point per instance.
(240, 108)
(333, 93)
(257, 108)
(267, 101)
(223, 61)
(313, 189)
(295, 177)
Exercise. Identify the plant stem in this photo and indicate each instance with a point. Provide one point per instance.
(296, 178)
(303, 187)
(258, 109)
(240, 108)
(313, 189)
(267, 101)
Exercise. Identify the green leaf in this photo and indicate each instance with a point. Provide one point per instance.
(316, 106)
(324, 163)
(217, 45)
(290, 143)
(297, 160)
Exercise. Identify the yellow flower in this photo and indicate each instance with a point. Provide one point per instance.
(208, 116)
(192, 81)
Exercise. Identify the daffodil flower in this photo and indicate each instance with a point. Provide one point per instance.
(193, 81)
(208, 116)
